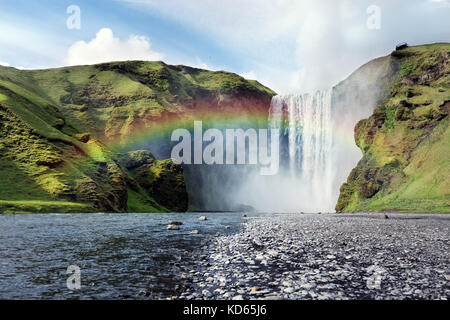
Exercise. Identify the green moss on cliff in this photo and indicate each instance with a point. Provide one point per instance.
(38, 174)
(56, 124)
(37, 169)
(406, 141)
(162, 181)
(113, 100)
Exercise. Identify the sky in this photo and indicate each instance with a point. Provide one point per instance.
(290, 46)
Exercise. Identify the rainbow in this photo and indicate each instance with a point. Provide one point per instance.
(159, 128)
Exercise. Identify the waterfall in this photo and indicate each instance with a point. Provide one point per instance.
(306, 133)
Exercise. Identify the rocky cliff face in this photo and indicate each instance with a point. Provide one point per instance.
(66, 134)
(406, 141)
(41, 174)
(114, 101)
(162, 181)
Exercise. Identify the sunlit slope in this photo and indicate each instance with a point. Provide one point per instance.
(114, 100)
(58, 129)
(406, 141)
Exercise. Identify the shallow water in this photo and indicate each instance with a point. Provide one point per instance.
(120, 255)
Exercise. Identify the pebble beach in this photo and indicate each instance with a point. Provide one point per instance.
(324, 256)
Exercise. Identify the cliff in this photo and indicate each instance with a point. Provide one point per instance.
(67, 134)
(406, 141)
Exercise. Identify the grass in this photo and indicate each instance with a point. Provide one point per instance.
(40, 206)
(44, 111)
(106, 99)
(137, 202)
(41, 117)
(414, 134)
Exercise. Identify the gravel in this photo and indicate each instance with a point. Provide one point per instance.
(327, 256)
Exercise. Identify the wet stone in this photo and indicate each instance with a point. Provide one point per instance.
(327, 256)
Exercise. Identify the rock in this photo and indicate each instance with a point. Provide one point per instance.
(385, 216)
(272, 298)
(306, 286)
(238, 297)
(194, 231)
(135, 159)
(228, 294)
(203, 218)
(289, 290)
(59, 123)
(162, 180)
(142, 292)
(206, 293)
(176, 223)
(51, 162)
(244, 215)
(312, 262)
(272, 253)
(372, 137)
(83, 137)
(173, 227)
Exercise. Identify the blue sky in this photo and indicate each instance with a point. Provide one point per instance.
(289, 45)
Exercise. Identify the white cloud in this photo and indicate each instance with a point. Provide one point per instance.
(248, 75)
(443, 3)
(6, 64)
(199, 64)
(105, 48)
(302, 45)
(256, 20)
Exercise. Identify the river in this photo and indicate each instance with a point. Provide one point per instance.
(119, 255)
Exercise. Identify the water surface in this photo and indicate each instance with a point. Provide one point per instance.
(120, 255)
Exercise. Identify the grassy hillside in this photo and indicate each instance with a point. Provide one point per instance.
(111, 100)
(57, 126)
(406, 141)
